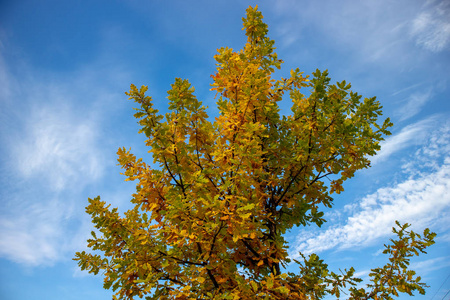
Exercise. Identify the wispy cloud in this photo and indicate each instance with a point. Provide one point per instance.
(423, 200)
(59, 147)
(431, 28)
(391, 32)
(54, 147)
(52, 154)
(433, 153)
(413, 134)
(413, 86)
(430, 265)
(419, 200)
(32, 235)
(414, 103)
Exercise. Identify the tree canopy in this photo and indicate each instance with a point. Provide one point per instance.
(208, 222)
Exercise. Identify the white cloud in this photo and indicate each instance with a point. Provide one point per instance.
(60, 147)
(432, 154)
(430, 265)
(423, 200)
(414, 104)
(413, 86)
(53, 153)
(360, 274)
(55, 145)
(431, 28)
(413, 134)
(391, 32)
(419, 201)
(32, 236)
(370, 26)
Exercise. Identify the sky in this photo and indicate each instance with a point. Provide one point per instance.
(64, 68)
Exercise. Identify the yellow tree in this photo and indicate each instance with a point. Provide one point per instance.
(209, 222)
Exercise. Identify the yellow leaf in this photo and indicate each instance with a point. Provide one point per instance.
(222, 280)
(201, 279)
(254, 286)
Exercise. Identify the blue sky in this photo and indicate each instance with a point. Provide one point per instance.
(64, 68)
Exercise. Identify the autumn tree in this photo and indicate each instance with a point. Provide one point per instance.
(208, 223)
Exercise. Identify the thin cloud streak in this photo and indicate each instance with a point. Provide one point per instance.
(409, 135)
(407, 88)
(429, 265)
(414, 104)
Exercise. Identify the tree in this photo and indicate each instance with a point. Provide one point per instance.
(209, 222)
